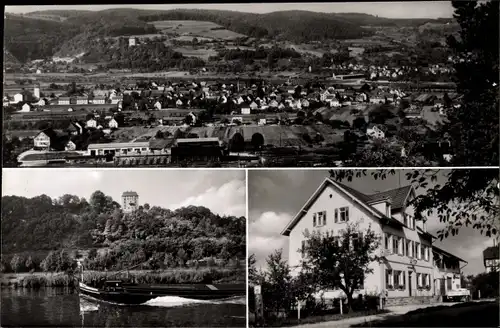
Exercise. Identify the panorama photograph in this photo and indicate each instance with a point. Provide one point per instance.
(373, 248)
(123, 248)
(411, 83)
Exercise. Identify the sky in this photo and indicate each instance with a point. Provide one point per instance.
(223, 192)
(406, 9)
(274, 197)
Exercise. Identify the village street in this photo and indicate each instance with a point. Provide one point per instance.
(395, 311)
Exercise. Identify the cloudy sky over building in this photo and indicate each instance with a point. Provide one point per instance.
(223, 192)
(413, 9)
(274, 197)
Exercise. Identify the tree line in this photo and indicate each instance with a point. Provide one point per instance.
(154, 236)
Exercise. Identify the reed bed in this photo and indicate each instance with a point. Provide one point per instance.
(91, 278)
(37, 280)
(179, 276)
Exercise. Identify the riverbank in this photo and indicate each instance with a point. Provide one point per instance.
(170, 276)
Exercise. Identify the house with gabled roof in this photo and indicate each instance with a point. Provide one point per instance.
(491, 257)
(405, 269)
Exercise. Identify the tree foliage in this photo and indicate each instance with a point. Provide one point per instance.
(340, 261)
(473, 127)
(469, 197)
(153, 237)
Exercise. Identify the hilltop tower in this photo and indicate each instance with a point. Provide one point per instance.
(130, 201)
(36, 91)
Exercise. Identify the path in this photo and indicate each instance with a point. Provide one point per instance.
(395, 310)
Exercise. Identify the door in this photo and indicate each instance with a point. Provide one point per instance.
(410, 282)
(442, 287)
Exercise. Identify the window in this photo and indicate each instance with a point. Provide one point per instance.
(409, 248)
(427, 280)
(357, 240)
(395, 244)
(387, 241)
(418, 251)
(314, 219)
(426, 253)
(321, 218)
(389, 279)
(303, 247)
(344, 214)
(422, 252)
(362, 283)
(399, 279)
(419, 279)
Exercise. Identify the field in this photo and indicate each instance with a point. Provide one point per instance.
(200, 52)
(196, 28)
(277, 135)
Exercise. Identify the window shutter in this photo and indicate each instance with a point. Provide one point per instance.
(324, 218)
(314, 219)
(346, 214)
(404, 278)
(336, 219)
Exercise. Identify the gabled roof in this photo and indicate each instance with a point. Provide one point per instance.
(491, 253)
(356, 196)
(397, 196)
(445, 253)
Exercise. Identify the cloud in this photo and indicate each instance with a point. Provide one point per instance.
(54, 183)
(264, 235)
(228, 199)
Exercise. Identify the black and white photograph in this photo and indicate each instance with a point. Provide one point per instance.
(255, 164)
(353, 84)
(373, 248)
(123, 248)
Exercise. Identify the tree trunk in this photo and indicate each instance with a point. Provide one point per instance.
(349, 302)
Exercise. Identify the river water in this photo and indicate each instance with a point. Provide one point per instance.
(63, 307)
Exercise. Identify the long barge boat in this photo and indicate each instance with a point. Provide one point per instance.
(117, 291)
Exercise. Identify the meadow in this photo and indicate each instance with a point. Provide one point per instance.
(196, 28)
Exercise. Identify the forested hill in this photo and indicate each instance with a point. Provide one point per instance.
(153, 233)
(39, 35)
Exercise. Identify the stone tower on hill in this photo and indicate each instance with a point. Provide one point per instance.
(130, 201)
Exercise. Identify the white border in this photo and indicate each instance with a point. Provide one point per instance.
(247, 314)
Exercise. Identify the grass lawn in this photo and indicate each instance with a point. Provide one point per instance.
(321, 318)
(470, 314)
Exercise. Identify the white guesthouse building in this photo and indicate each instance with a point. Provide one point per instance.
(407, 268)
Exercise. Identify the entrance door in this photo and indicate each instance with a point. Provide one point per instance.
(410, 282)
(442, 287)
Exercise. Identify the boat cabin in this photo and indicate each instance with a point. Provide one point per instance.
(113, 285)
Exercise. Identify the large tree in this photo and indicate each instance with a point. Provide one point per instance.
(277, 282)
(340, 261)
(473, 128)
(469, 197)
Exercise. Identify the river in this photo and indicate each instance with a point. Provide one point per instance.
(63, 307)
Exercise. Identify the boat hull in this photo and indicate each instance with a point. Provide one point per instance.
(138, 294)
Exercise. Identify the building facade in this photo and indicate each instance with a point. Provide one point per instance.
(491, 258)
(406, 268)
(130, 201)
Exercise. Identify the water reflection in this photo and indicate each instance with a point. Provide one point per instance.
(65, 308)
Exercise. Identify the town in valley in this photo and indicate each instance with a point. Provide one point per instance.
(199, 88)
